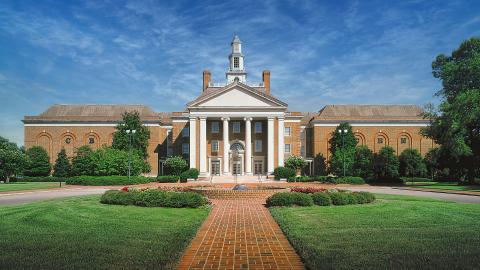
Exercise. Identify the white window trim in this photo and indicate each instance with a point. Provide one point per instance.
(217, 125)
(215, 142)
(261, 146)
(234, 124)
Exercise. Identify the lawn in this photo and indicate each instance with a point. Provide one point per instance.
(15, 186)
(396, 232)
(81, 233)
(445, 185)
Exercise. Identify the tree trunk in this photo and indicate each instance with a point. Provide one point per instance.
(471, 176)
(7, 179)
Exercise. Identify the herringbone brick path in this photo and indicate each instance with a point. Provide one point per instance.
(240, 234)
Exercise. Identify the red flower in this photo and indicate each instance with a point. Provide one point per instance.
(307, 189)
(124, 189)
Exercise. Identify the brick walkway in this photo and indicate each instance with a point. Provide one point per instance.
(240, 234)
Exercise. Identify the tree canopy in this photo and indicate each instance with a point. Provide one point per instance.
(342, 147)
(38, 162)
(412, 163)
(132, 121)
(12, 159)
(62, 167)
(455, 126)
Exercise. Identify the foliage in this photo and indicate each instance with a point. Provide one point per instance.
(41, 179)
(82, 163)
(456, 123)
(415, 179)
(283, 173)
(191, 173)
(154, 198)
(411, 163)
(108, 180)
(362, 197)
(289, 199)
(363, 162)
(322, 198)
(111, 161)
(320, 165)
(62, 167)
(342, 147)
(38, 162)
(342, 198)
(168, 178)
(139, 140)
(386, 164)
(176, 165)
(307, 189)
(12, 160)
(354, 180)
(295, 162)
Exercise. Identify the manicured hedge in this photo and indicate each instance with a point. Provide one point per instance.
(168, 179)
(38, 179)
(354, 180)
(321, 198)
(283, 173)
(108, 180)
(364, 197)
(191, 173)
(154, 198)
(290, 199)
(342, 198)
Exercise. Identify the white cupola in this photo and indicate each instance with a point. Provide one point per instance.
(236, 70)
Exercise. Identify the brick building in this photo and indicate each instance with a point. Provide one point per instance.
(237, 127)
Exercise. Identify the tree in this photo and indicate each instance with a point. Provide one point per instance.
(38, 162)
(12, 159)
(111, 161)
(342, 147)
(82, 163)
(411, 163)
(455, 125)
(131, 121)
(295, 162)
(320, 165)
(363, 163)
(176, 165)
(386, 164)
(62, 167)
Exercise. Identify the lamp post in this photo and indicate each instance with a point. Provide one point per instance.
(342, 133)
(130, 133)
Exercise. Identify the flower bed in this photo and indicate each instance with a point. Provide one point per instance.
(353, 180)
(158, 197)
(307, 189)
(307, 196)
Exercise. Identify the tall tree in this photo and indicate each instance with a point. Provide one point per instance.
(386, 164)
(38, 162)
(455, 126)
(342, 147)
(12, 159)
(412, 163)
(62, 167)
(132, 121)
(82, 162)
(363, 164)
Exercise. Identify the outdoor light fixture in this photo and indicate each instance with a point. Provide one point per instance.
(130, 131)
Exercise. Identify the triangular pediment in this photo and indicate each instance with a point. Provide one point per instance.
(237, 95)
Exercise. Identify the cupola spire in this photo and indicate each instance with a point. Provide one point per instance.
(236, 70)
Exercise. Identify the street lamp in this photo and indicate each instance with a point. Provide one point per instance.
(342, 133)
(130, 133)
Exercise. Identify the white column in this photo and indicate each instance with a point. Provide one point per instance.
(226, 146)
(281, 143)
(248, 145)
(203, 146)
(193, 142)
(270, 149)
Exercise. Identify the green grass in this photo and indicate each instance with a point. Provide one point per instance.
(15, 186)
(81, 233)
(395, 232)
(445, 185)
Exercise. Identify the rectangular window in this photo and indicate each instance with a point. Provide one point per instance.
(258, 145)
(236, 127)
(287, 148)
(403, 140)
(287, 131)
(185, 148)
(380, 140)
(258, 127)
(186, 132)
(236, 62)
(215, 127)
(214, 146)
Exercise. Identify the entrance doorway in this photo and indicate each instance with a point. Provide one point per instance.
(237, 168)
(215, 170)
(257, 167)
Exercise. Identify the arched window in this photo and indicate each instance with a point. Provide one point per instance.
(237, 147)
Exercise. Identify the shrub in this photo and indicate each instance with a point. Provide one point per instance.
(38, 162)
(191, 173)
(386, 164)
(412, 163)
(62, 167)
(355, 180)
(307, 189)
(320, 165)
(322, 198)
(283, 172)
(289, 199)
(108, 180)
(415, 179)
(295, 162)
(154, 198)
(82, 163)
(363, 197)
(12, 159)
(168, 179)
(111, 161)
(176, 165)
(41, 179)
(342, 198)
(363, 163)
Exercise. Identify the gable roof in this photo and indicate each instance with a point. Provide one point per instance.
(212, 92)
(371, 112)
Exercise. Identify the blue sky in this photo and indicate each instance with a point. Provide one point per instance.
(153, 52)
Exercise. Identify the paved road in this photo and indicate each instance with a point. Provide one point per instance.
(435, 195)
(40, 195)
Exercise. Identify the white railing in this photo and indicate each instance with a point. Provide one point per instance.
(212, 84)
